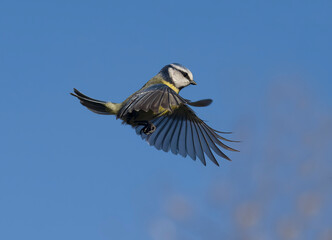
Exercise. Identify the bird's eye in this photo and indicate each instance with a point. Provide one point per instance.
(185, 75)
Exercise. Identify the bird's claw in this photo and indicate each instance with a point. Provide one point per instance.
(148, 129)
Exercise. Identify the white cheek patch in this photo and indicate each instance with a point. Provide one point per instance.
(178, 79)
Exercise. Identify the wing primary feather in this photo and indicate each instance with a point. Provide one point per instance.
(222, 132)
(156, 121)
(222, 138)
(226, 139)
(213, 145)
(217, 140)
(197, 143)
(162, 134)
(176, 136)
(190, 140)
(182, 138)
(166, 144)
(206, 147)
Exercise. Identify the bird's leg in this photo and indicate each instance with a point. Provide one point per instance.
(148, 127)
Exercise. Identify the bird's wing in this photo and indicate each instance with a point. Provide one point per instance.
(200, 103)
(184, 133)
(154, 98)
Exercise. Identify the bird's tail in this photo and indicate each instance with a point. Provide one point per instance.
(94, 105)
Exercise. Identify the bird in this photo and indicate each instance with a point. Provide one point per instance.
(165, 119)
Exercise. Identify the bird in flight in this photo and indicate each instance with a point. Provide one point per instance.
(163, 118)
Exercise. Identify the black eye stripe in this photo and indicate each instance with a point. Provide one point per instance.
(185, 75)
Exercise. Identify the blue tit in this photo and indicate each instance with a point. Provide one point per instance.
(163, 118)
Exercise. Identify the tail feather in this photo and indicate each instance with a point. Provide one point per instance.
(93, 105)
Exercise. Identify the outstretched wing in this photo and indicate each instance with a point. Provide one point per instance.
(154, 98)
(184, 133)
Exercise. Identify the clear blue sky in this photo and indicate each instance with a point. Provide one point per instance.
(66, 173)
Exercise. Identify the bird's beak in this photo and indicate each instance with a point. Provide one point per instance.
(193, 82)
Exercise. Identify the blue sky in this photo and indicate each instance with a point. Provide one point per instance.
(66, 173)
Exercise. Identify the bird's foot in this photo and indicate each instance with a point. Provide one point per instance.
(149, 128)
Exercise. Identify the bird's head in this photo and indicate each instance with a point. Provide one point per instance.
(178, 75)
